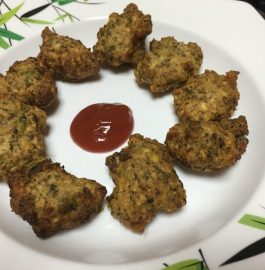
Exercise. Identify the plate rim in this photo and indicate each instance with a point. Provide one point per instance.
(191, 251)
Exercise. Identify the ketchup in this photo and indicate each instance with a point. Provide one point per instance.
(102, 127)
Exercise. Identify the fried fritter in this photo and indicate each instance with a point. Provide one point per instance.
(51, 200)
(168, 64)
(3, 86)
(138, 52)
(21, 136)
(208, 145)
(207, 96)
(67, 58)
(146, 183)
(122, 39)
(29, 83)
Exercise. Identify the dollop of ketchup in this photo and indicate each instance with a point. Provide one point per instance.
(102, 127)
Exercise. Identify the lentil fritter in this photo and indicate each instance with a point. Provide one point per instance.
(21, 136)
(27, 82)
(208, 96)
(51, 200)
(168, 64)
(122, 39)
(208, 145)
(146, 183)
(67, 58)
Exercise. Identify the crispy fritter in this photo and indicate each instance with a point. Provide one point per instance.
(67, 58)
(29, 83)
(138, 52)
(122, 39)
(4, 91)
(168, 64)
(208, 96)
(146, 183)
(51, 200)
(21, 136)
(208, 145)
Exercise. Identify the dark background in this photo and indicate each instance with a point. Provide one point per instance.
(258, 4)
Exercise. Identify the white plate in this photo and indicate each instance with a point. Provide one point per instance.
(206, 232)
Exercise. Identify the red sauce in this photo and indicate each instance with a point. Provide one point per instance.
(102, 127)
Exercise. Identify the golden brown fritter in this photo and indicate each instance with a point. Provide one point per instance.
(168, 64)
(51, 199)
(21, 136)
(3, 86)
(29, 83)
(138, 52)
(122, 39)
(146, 183)
(208, 145)
(207, 96)
(67, 58)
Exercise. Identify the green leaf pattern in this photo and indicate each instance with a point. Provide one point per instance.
(9, 15)
(6, 34)
(64, 2)
(192, 264)
(35, 21)
(9, 34)
(253, 221)
(3, 43)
